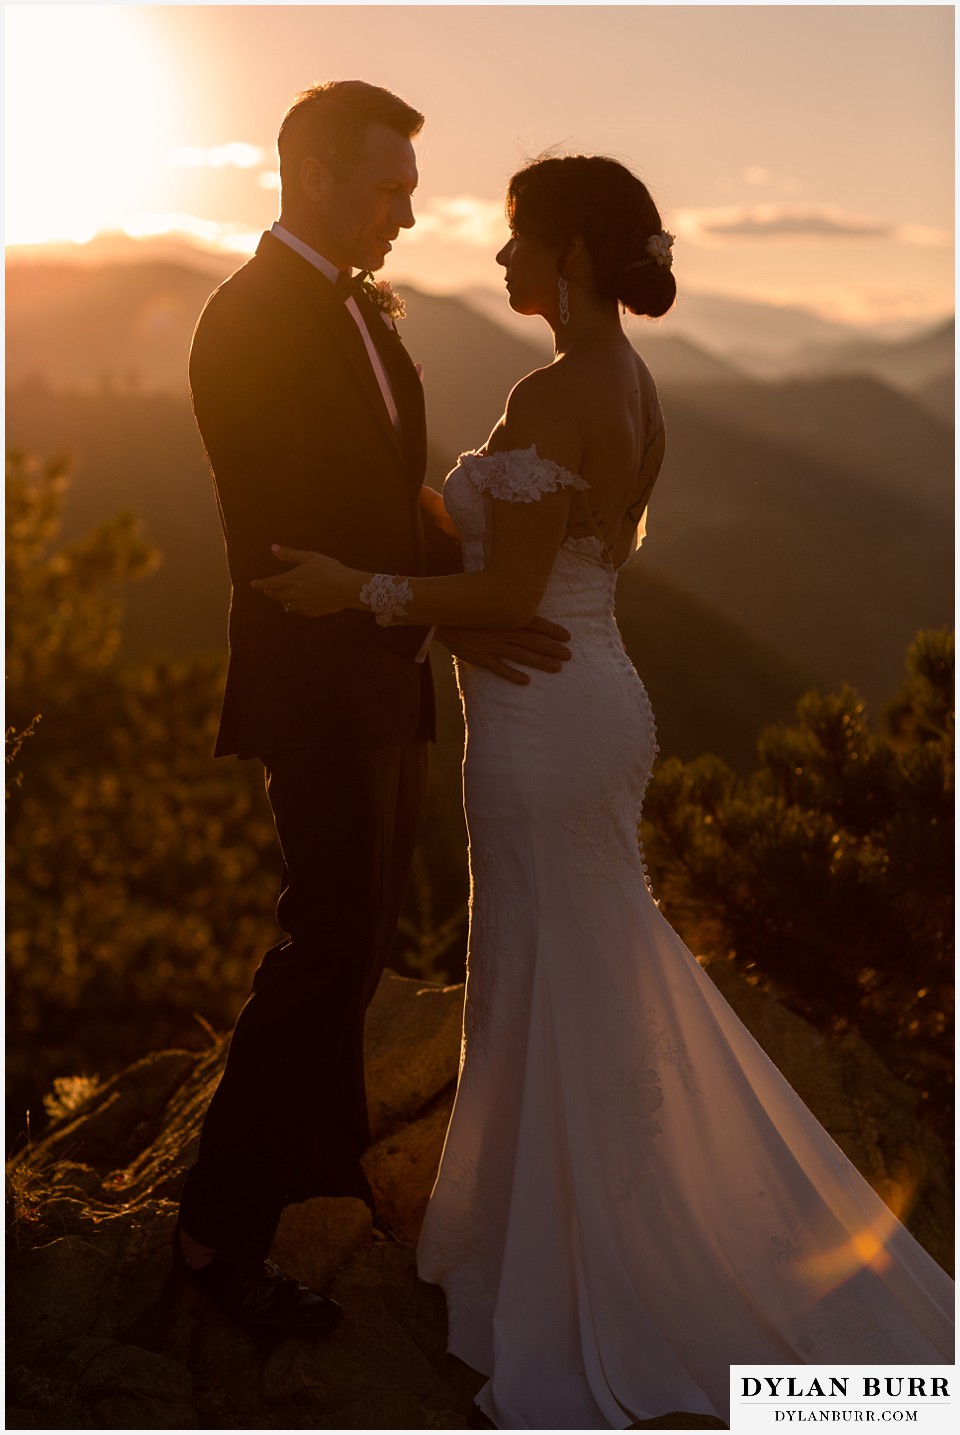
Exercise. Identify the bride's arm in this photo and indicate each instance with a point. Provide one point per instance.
(506, 593)
(525, 533)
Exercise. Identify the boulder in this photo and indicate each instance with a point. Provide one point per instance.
(412, 1048)
(103, 1334)
(317, 1237)
(94, 1206)
(119, 1118)
(870, 1114)
(402, 1168)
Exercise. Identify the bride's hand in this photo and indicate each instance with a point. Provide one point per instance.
(317, 585)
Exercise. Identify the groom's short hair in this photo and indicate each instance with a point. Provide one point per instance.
(330, 122)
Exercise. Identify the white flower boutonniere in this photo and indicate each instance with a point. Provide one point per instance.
(383, 296)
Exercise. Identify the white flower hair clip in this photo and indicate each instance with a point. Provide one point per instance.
(659, 247)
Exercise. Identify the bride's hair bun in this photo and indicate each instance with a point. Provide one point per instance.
(558, 197)
(646, 287)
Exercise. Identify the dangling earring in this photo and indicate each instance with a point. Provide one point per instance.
(564, 294)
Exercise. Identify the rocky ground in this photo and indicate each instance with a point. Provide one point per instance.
(101, 1335)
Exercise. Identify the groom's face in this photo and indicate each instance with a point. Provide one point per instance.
(371, 203)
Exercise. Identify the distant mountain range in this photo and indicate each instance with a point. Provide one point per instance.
(767, 341)
(912, 363)
(800, 534)
(169, 274)
(102, 327)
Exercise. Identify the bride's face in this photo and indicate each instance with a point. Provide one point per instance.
(531, 275)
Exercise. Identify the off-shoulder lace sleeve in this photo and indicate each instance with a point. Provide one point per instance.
(517, 475)
(521, 539)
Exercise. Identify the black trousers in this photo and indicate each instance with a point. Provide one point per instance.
(289, 1118)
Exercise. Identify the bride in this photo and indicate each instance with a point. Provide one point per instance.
(631, 1198)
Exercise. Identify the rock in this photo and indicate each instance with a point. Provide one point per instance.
(47, 1387)
(76, 1176)
(158, 1167)
(380, 1410)
(102, 1384)
(119, 1118)
(63, 1289)
(124, 1386)
(317, 1237)
(402, 1168)
(102, 1333)
(412, 1048)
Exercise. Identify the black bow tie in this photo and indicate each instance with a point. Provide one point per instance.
(347, 285)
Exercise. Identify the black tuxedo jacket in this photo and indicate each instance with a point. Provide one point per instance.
(304, 454)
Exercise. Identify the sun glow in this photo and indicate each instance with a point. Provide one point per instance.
(85, 103)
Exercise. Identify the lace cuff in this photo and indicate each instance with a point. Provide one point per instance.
(518, 475)
(387, 597)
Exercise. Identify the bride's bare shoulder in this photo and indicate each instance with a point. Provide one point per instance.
(539, 413)
(538, 388)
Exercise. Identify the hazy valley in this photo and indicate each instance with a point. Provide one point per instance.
(800, 534)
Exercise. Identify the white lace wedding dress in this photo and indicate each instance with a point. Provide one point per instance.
(631, 1197)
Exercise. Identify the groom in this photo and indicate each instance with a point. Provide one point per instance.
(312, 416)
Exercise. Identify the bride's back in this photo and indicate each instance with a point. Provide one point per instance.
(587, 240)
(614, 402)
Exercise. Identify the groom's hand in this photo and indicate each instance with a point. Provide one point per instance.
(540, 645)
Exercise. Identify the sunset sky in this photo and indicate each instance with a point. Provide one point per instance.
(802, 154)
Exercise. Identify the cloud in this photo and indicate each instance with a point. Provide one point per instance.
(229, 238)
(858, 305)
(235, 155)
(462, 219)
(803, 222)
(789, 221)
(924, 236)
(756, 175)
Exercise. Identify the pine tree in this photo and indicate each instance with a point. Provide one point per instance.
(828, 872)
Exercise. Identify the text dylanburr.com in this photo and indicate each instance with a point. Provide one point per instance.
(798, 1397)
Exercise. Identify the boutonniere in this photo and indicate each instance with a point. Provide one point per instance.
(384, 297)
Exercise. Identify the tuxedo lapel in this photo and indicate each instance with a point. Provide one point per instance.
(342, 325)
(337, 328)
(405, 385)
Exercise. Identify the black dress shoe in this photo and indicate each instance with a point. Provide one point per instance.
(258, 1294)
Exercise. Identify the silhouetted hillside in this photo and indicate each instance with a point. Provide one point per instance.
(125, 326)
(672, 347)
(911, 364)
(702, 670)
(766, 340)
(939, 396)
(126, 317)
(833, 570)
(876, 435)
(143, 452)
(140, 452)
(128, 326)
(751, 331)
(812, 517)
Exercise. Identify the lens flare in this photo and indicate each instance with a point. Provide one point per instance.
(866, 1249)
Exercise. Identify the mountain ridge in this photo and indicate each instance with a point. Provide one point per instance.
(813, 516)
(751, 336)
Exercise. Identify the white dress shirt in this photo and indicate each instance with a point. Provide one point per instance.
(331, 271)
